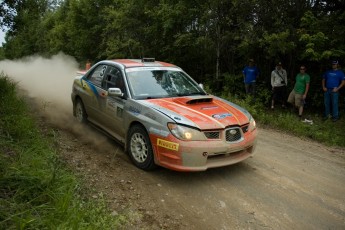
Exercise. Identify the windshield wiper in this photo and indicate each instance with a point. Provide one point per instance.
(189, 94)
(155, 97)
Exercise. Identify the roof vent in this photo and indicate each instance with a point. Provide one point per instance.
(147, 60)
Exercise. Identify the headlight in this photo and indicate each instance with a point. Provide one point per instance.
(186, 133)
(252, 124)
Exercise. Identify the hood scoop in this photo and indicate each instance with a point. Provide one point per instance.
(193, 100)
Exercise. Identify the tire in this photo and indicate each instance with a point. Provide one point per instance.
(80, 112)
(140, 148)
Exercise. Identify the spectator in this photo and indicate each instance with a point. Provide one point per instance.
(87, 65)
(278, 83)
(332, 81)
(299, 92)
(250, 74)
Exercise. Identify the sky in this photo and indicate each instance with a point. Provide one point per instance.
(2, 37)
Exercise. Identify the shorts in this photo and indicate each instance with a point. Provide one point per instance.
(296, 99)
(279, 93)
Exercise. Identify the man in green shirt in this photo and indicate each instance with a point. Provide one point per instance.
(299, 92)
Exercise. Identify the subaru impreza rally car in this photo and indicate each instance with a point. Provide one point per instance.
(162, 116)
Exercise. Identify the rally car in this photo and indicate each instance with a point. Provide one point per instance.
(162, 116)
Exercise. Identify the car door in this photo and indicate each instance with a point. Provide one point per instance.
(94, 98)
(114, 120)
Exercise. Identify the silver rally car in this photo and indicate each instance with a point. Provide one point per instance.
(162, 116)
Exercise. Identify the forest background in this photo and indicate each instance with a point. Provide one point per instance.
(211, 40)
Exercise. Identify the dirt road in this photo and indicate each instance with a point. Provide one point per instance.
(289, 184)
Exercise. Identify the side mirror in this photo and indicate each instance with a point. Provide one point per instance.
(115, 92)
(201, 85)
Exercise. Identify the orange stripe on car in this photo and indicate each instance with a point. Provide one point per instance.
(194, 111)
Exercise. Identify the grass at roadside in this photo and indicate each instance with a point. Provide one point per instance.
(36, 189)
(38, 192)
(326, 132)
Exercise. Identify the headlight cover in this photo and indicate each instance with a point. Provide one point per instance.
(185, 133)
(252, 124)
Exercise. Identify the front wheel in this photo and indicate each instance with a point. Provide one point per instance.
(80, 112)
(140, 148)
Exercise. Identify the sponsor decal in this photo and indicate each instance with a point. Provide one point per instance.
(103, 94)
(151, 116)
(134, 110)
(167, 144)
(91, 87)
(221, 116)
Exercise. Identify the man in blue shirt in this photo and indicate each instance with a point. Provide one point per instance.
(332, 81)
(250, 74)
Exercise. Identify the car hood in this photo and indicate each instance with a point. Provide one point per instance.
(203, 112)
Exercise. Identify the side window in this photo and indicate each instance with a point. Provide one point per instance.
(97, 76)
(114, 79)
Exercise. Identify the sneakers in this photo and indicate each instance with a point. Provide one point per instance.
(325, 118)
(308, 121)
(328, 117)
(283, 106)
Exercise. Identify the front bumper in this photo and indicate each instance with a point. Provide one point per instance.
(202, 155)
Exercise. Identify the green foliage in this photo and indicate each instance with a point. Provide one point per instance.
(36, 190)
(206, 38)
(315, 46)
(318, 38)
(277, 44)
(232, 86)
(2, 54)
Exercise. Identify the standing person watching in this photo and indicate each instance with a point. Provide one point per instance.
(299, 92)
(332, 81)
(278, 83)
(250, 74)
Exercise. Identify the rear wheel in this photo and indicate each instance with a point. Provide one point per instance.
(140, 148)
(80, 112)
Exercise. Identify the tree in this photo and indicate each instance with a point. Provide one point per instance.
(22, 18)
(207, 38)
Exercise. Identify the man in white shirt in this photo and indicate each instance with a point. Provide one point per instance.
(278, 83)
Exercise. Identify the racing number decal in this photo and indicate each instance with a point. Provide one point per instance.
(119, 112)
(101, 74)
(115, 108)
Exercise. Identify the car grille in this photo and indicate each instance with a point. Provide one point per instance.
(212, 135)
(233, 134)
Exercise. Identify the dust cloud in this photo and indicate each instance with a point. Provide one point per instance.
(47, 84)
(49, 80)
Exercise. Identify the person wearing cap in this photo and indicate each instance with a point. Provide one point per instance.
(250, 74)
(278, 83)
(299, 92)
(332, 81)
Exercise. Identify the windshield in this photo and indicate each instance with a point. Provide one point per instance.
(157, 83)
